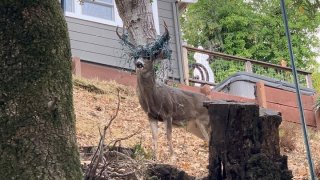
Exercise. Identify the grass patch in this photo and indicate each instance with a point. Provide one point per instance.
(317, 170)
(287, 142)
(87, 86)
(140, 153)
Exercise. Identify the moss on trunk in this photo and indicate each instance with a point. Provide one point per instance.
(35, 67)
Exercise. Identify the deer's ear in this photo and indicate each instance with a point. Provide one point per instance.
(161, 55)
(164, 53)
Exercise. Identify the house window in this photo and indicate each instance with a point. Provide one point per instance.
(101, 11)
(69, 6)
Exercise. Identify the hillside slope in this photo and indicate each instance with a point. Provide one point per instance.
(95, 102)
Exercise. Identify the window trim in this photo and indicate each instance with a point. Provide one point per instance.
(117, 20)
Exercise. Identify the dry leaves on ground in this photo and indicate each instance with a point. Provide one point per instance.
(93, 110)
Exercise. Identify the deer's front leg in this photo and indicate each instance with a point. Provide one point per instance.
(168, 127)
(154, 130)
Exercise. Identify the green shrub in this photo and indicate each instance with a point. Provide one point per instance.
(287, 143)
(140, 153)
(316, 81)
(317, 105)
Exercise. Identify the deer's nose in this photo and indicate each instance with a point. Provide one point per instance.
(139, 64)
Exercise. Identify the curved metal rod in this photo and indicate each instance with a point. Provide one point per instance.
(201, 73)
(193, 67)
(202, 69)
(205, 71)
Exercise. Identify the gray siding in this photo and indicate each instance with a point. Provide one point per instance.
(166, 13)
(98, 43)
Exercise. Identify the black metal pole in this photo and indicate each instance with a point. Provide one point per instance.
(294, 72)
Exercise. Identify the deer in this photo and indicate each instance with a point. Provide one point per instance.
(164, 103)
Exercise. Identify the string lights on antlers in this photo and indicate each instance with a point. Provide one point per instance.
(158, 49)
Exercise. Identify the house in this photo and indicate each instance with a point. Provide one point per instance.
(92, 27)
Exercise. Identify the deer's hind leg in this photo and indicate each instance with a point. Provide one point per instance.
(203, 129)
(154, 131)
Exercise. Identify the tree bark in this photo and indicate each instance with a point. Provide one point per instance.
(137, 19)
(244, 143)
(37, 123)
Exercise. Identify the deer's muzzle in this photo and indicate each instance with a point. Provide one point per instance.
(139, 64)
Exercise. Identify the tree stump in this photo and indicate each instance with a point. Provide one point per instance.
(244, 142)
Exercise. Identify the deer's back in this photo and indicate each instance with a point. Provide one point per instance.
(166, 101)
(188, 106)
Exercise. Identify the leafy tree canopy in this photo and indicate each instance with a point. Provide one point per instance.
(254, 28)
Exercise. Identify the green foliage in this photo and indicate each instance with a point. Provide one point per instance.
(157, 66)
(317, 106)
(279, 74)
(140, 153)
(223, 69)
(316, 81)
(253, 29)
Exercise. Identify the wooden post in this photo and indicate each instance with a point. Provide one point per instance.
(261, 94)
(185, 65)
(317, 117)
(248, 67)
(316, 112)
(76, 66)
(309, 81)
(244, 142)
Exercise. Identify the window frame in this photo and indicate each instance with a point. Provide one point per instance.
(100, 3)
(116, 18)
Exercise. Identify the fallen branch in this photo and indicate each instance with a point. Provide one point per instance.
(115, 174)
(104, 159)
(124, 138)
(123, 156)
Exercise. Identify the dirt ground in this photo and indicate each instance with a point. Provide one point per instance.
(95, 102)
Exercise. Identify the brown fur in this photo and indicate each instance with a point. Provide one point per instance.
(171, 105)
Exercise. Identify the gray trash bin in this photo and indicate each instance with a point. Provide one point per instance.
(243, 84)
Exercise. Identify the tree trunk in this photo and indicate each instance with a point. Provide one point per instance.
(244, 143)
(37, 123)
(137, 20)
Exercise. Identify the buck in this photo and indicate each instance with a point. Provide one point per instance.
(162, 102)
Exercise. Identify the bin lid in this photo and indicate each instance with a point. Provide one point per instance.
(254, 78)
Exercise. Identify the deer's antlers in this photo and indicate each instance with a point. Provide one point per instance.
(124, 38)
(157, 49)
(166, 34)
